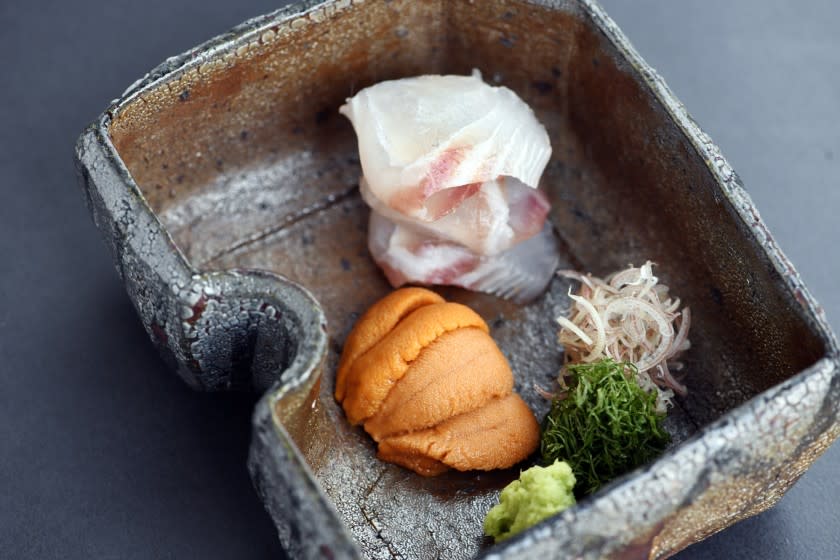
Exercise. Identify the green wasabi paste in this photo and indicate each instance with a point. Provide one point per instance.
(539, 493)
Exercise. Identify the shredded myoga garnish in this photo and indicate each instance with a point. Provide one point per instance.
(628, 317)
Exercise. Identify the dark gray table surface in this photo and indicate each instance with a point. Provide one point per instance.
(105, 454)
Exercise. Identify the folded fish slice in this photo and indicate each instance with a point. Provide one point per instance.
(490, 219)
(420, 136)
(406, 256)
(520, 273)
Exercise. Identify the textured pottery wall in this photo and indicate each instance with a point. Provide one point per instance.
(232, 158)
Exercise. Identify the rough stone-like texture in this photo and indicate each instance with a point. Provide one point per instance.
(231, 158)
(225, 330)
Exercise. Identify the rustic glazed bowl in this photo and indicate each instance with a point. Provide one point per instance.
(225, 183)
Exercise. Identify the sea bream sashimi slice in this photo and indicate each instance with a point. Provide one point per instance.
(498, 215)
(428, 143)
(407, 256)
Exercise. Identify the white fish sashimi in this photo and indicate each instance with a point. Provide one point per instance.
(446, 136)
(520, 273)
(406, 256)
(492, 219)
(451, 167)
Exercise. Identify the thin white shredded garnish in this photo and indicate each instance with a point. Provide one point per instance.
(628, 316)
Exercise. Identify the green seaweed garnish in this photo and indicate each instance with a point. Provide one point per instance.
(606, 425)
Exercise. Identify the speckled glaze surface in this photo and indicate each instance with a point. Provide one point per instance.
(225, 184)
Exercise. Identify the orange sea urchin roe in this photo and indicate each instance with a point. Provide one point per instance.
(431, 386)
(494, 436)
(378, 321)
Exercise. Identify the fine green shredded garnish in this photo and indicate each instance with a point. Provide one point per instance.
(606, 425)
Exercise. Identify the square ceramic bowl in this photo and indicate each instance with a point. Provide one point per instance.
(225, 183)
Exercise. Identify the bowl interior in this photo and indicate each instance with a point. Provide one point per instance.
(247, 163)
